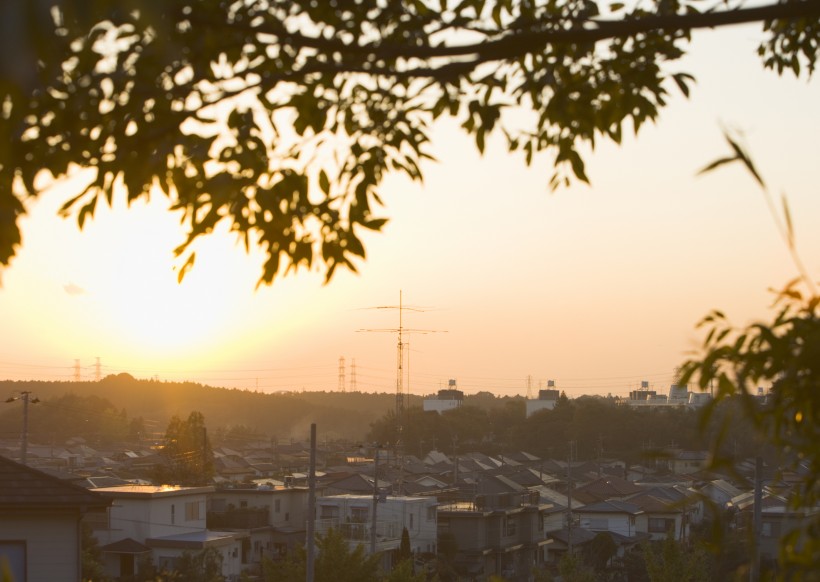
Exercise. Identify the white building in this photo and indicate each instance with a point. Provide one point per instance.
(160, 523)
(352, 515)
(274, 518)
(547, 399)
(449, 399)
(677, 396)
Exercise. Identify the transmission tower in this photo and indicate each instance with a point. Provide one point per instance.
(353, 387)
(97, 371)
(77, 374)
(341, 387)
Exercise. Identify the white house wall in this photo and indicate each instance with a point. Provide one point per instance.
(51, 544)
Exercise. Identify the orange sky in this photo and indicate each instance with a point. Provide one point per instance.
(595, 287)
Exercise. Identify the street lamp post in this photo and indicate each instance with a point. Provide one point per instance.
(26, 398)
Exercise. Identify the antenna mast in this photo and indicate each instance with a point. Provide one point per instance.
(401, 392)
(400, 367)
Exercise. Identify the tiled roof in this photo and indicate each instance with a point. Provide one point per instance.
(22, 487)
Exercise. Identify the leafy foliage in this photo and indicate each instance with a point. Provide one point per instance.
(91, 556)
(572, 569)
(335, 562)
(204, 566)
(403, 572)
(59, 418)
(600, 550)
(281, 118)
(783, 355)
(670, 561)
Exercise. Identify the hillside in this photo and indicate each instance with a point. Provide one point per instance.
(65, 407)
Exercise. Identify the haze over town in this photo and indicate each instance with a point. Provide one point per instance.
(596, 287)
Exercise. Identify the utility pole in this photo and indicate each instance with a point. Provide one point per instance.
(311, 517)
(373, 520)
(757, 520)
(569, 499)
(26, 398)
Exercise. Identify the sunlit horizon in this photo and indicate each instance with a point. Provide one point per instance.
(595, 287)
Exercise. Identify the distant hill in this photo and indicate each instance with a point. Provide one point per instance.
(281, 415)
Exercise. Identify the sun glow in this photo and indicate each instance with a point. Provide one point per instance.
(117, 282)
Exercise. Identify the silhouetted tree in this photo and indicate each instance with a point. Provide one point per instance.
(282, 118)
(187, 452)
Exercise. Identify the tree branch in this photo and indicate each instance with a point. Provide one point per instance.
(519, 43)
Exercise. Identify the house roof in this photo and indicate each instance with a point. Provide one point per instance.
(653, 504)
(149, 491)
(126, 546)
(611, 506)
(605, 488)
(22, 487)
(196, 540)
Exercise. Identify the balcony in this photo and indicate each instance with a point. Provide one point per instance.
(239, 518)
(388, 532)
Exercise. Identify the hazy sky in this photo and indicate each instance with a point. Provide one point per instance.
(596, 287)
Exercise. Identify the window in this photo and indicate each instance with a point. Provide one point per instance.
(192, 510)
(411, 521)
(431, 513)
(509, 527)
(359, 514)
(277, 505)
(598, 524)
(661, 525)
(173, 508)
(13, 555)
(770, 529)
(328, 512)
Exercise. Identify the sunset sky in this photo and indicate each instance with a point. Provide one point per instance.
(596, 287)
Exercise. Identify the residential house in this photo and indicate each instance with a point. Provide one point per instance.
(720, 492)
(159, 523)
(686, 462)
(40, 524)
(272, 518)
(660, 517)
(612, 516)
(777, 518)
(353, 516)
(605, 488)
(495, 535)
